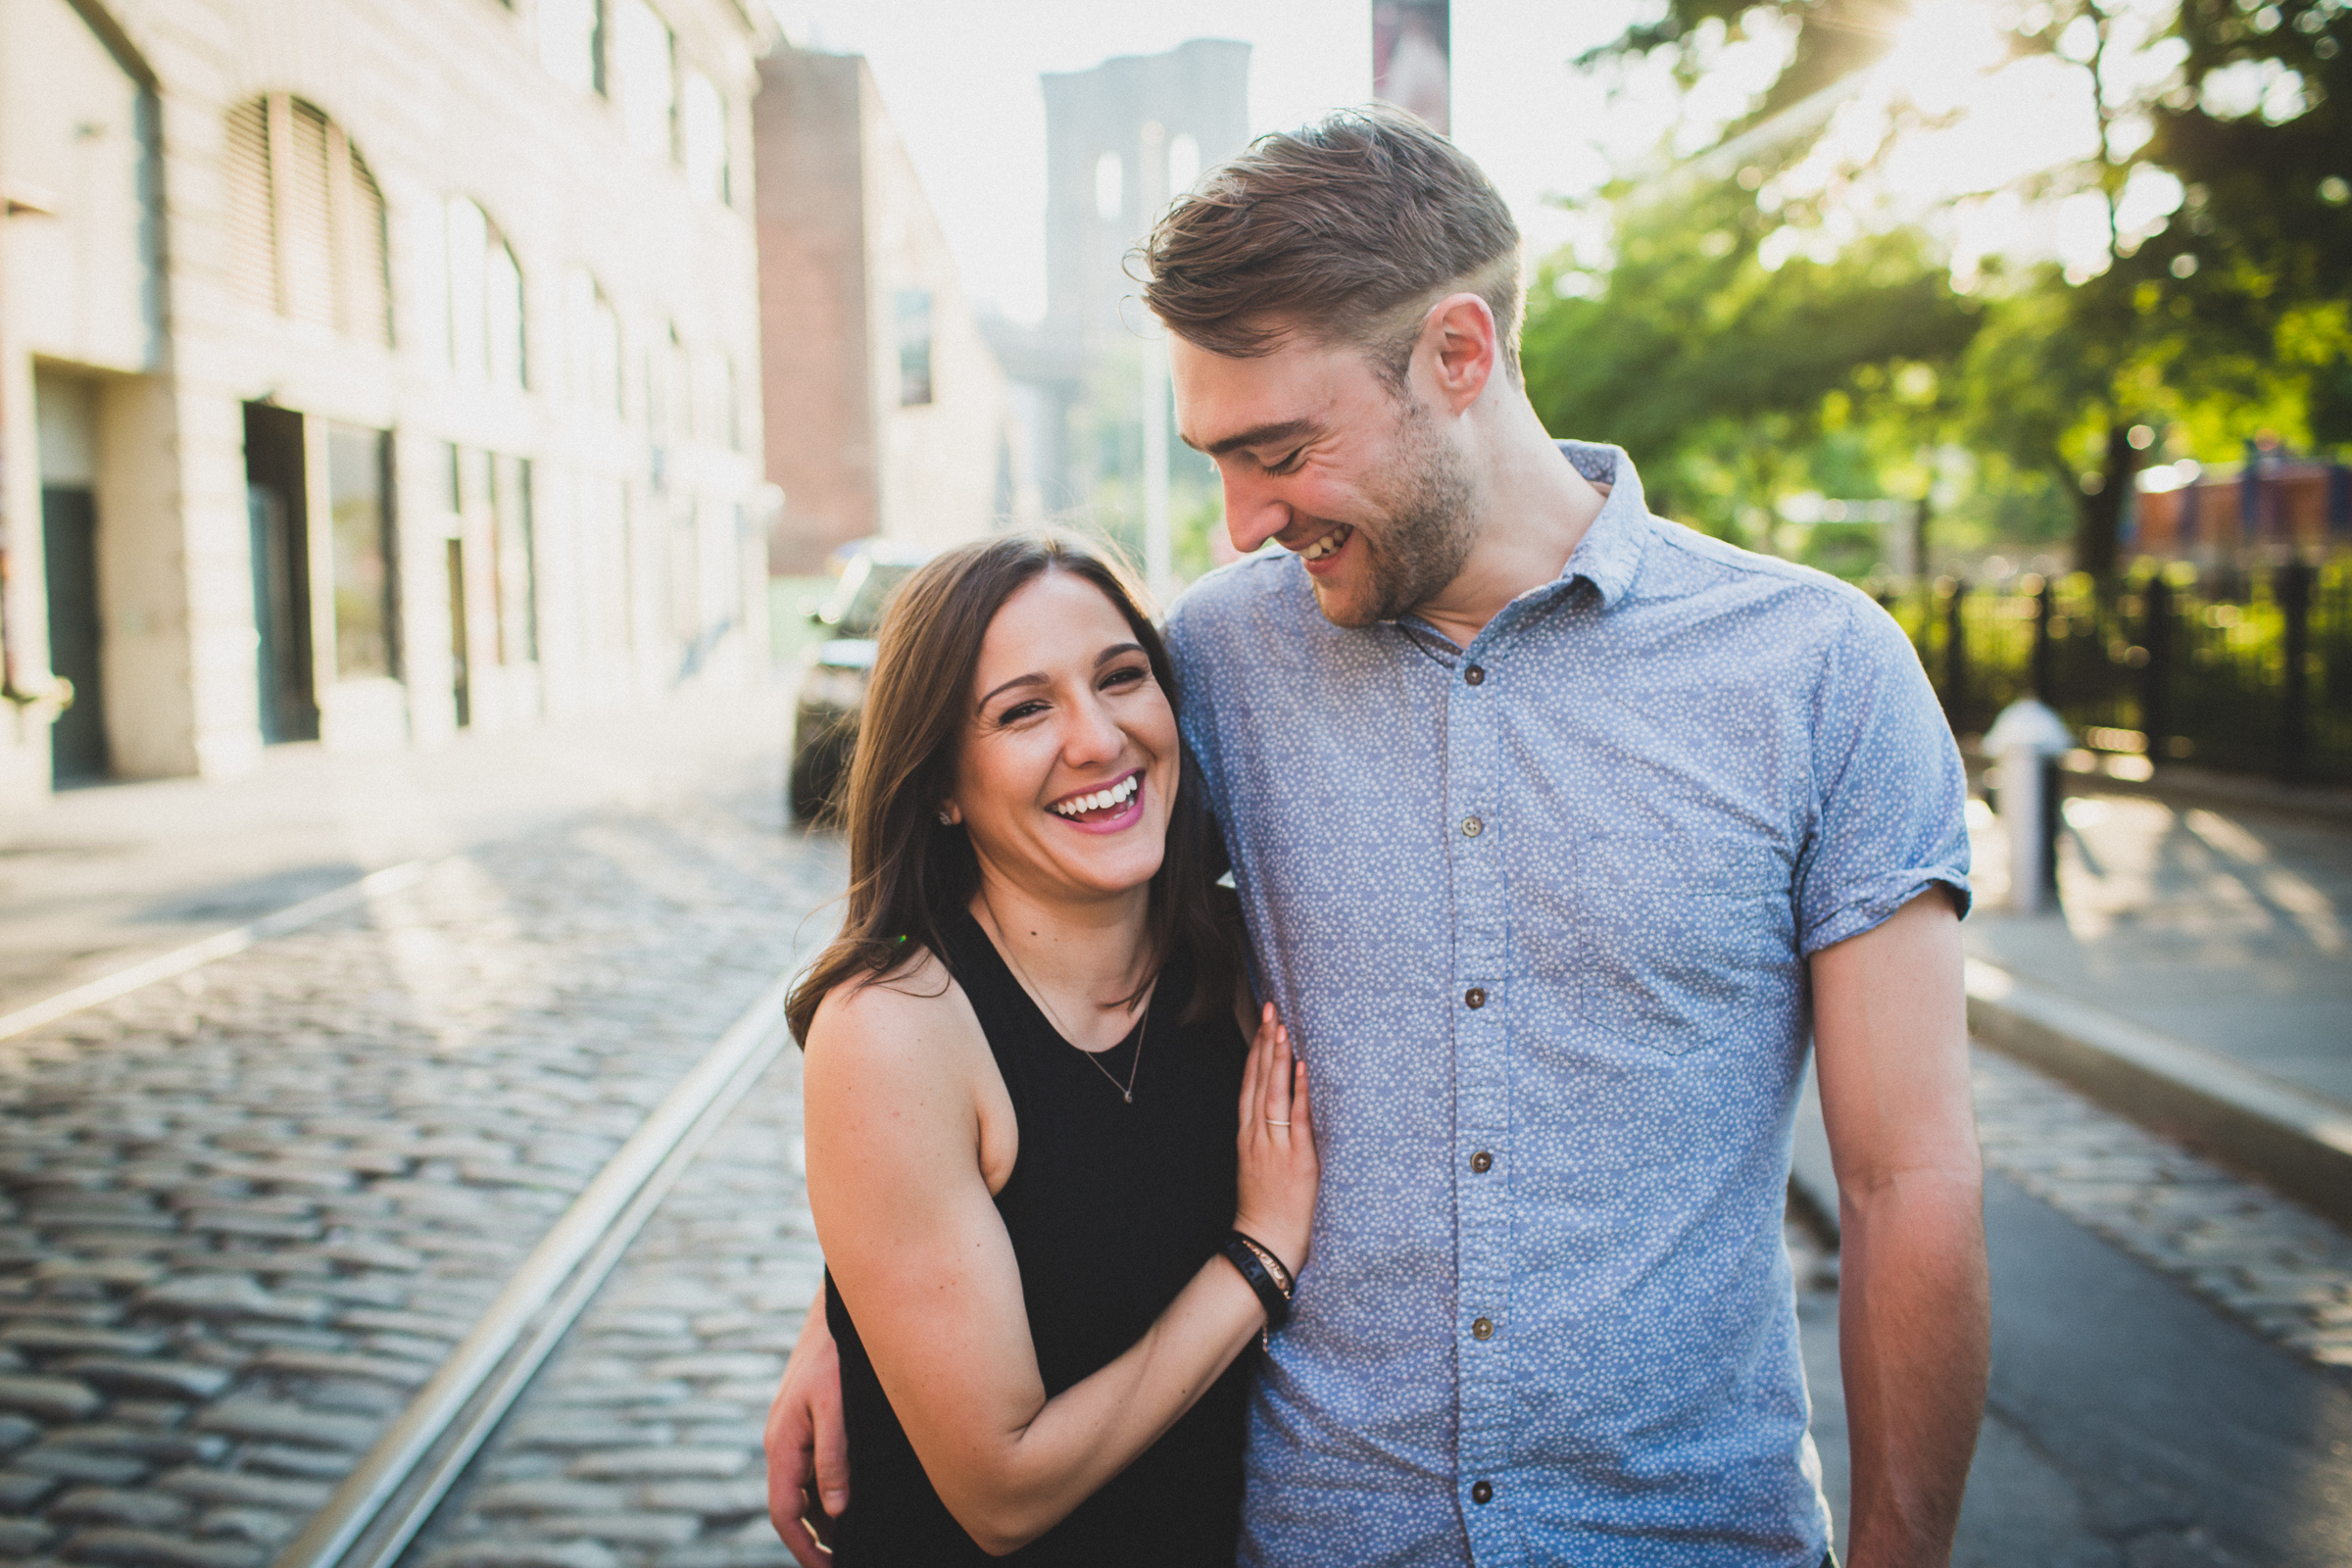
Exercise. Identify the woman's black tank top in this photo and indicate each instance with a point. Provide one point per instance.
(1113, 1208)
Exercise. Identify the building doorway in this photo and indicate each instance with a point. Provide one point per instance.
(277, 510)
(461, 688)
(70, 544)
(65, 414)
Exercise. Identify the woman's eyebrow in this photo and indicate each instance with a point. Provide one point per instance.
(1032, 679)
(1115, 650)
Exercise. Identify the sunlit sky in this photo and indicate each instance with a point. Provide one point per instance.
(959, 78)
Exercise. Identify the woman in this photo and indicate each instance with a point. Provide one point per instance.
(1024, 1057)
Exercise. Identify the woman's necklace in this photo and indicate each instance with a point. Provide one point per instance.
(1126, 1090)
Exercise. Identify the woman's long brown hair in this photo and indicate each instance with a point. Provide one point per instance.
(909, 871)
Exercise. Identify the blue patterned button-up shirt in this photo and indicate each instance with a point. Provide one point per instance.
(1537, 913)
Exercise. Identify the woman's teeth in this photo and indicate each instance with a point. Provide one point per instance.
(1327, 544)
(1118, 793)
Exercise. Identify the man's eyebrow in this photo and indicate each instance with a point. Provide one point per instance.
(1258, 435)
(1115, 650)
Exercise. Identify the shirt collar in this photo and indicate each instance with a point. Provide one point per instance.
(1610, 551)
(1608, 556)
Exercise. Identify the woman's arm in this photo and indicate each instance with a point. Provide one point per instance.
(899, 1089)
(808, 1449)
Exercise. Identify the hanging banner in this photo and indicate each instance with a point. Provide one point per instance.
(1412, 59)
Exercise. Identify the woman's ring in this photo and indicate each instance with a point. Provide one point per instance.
(1272, 1122)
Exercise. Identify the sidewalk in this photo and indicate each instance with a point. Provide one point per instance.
(113, 874)
(2197, 975)
(2228, 928)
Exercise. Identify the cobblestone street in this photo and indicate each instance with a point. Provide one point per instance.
(247, 1212)
(639, 1445)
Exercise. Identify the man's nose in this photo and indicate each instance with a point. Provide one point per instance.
(1254, 515)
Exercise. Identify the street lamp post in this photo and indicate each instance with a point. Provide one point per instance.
(1158, 565)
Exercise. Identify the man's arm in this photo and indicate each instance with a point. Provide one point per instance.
(807, 1447)
(1914, 1316)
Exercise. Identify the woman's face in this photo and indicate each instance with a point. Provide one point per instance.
(1069, 760)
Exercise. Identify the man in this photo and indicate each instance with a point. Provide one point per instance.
(1559, 829)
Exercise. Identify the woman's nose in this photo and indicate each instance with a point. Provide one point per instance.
(1093, 734)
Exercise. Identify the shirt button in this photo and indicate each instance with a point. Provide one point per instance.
(1483, 1329)
(1475, 996)
(1472, 827)
(1482, 1162)
(1474, 676)
(1481, 1493)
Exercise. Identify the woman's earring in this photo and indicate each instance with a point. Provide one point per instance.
(946, 818)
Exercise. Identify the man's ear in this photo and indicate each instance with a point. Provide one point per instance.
(1460, 348)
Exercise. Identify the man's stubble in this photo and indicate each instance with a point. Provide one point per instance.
(1426, 530)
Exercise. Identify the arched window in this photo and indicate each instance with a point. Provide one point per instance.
(590, 343)
(485, 300)
(703, 138)
(646, 52)
(678, 392)
(571, 38)
(306, 219)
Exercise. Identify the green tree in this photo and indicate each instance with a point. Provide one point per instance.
(1728, 375)
(2225, 310)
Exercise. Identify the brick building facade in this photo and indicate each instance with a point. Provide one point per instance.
(886, 410)
(368, 370)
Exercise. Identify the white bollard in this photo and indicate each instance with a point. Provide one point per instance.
(2024, 740)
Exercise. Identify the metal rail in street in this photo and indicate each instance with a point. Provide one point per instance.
(196, 954)
(392, 1494)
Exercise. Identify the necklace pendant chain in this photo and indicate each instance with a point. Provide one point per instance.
(1126, 1090)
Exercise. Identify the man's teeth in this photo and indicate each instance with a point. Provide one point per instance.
(1117, 795)
(1327, 544)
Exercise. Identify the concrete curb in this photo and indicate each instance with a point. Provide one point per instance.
(2295, 1141)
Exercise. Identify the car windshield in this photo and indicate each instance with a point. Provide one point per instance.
(865, 590)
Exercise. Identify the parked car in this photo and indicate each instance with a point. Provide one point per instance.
(833, 681)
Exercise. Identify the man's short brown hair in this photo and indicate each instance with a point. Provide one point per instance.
(1347, 230)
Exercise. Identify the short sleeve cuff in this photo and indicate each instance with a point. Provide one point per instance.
(1865, 906)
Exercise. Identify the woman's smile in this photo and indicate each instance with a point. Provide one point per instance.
(1110, 810)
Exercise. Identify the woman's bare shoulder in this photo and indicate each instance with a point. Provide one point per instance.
(911, 1017)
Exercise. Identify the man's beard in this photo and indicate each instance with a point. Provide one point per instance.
(1419, 545)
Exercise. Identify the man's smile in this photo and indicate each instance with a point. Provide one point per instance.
(1328, 544)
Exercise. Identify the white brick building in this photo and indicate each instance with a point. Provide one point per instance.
(369, 369)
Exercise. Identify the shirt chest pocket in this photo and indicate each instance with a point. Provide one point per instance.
(1682, 938)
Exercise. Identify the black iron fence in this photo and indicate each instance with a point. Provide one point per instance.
(2244, 671)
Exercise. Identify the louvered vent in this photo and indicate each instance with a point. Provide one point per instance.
(307, 233)
(252, 253)
(367, 312)
(305, 225)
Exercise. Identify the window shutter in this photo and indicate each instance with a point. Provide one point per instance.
(306, 231)
(365, 308)
(252, 255)
(307, 254)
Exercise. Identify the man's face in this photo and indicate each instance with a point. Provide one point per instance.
(1317, 452)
